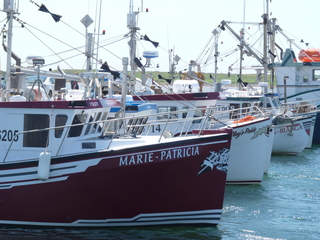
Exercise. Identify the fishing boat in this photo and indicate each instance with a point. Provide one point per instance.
(299, 81)
(65, 164)
(292, 128)
(59, 170)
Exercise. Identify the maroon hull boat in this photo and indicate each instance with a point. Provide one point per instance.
(69, 159)
(51, 175)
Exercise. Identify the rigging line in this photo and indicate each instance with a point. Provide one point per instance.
(69, 50)
(63, 59)
(204, 49)
(3, 20)
(112, 42)
(43, 33)
(64, 43)
(48, 47)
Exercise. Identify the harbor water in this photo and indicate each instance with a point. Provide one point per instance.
(284, 206)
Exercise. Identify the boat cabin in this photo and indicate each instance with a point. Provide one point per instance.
(51, 126)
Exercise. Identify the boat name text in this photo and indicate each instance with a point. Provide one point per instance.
(237, 134)
(159, 156)
(288, 129)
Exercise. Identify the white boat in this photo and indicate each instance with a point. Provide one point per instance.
(293, 131)
(299, 81)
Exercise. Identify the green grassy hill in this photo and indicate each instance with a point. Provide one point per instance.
(251, 78)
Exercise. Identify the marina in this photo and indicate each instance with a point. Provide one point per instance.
(103, 154)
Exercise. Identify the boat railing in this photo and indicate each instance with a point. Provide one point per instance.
(301, 107)
(237, 113)
(110, 129)
(134, 127)
(200, 119)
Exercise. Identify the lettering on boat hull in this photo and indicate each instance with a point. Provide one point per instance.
(149, 157)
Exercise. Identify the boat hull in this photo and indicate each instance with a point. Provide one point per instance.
(292, 139)
(161, 184)
(250, 151)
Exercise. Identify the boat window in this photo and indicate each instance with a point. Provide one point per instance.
(89, 126)
(276, 102)
(75, 131)
(136, 126)
(61, 120)
(103, 118)
(245, 108)
(316, 75)
(305, 78)
(94, 128)
(184, 114)
(235, 110)
(165, 110)
(198, 113)
(110, 126)
(36, 139)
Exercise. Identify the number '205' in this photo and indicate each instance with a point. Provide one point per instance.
(9, 135)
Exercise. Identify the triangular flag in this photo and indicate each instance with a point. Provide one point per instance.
(148, 39)
(56, 17)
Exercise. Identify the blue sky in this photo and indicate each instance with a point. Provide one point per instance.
(184, 26)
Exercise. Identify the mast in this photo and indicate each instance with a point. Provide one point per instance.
(9, 9)
(265, 43)
(132, 25)
(242, 41)
(216, 34)
(272, 49)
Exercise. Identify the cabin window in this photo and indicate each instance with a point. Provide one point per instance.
(61, 120)
(89, 126)
(95, 125)
(136, 125)
(235, 110)
(36, 139)
(245, 108)
(305, 78)
(198, 113)
(103, 118)
(316, 75)
(185, 114)
(276, 102)
(165, 110)
(75, 131)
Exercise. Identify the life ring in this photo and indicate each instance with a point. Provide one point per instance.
(38, 94)
(32, 94)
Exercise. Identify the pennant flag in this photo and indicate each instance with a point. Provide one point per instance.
(167, 80)
(273, 55)
(242, 83)
(239, 80)
(137, 62)
(105, 68)
(148, 39)
(56, 17)
(212, 78)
